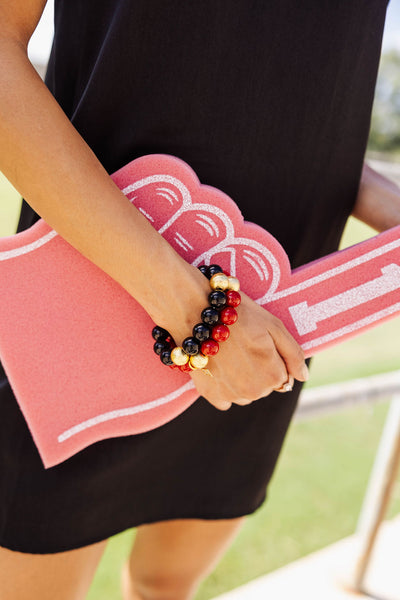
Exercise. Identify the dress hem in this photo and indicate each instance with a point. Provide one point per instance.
(204, 515)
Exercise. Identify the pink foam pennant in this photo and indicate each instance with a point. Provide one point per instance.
(69, 334)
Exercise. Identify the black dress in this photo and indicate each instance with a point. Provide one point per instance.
(271, 103)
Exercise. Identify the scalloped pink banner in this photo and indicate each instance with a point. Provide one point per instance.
(73, 342)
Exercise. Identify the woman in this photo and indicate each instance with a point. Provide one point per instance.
(269, 102)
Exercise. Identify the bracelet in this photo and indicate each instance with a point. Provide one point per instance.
(207, 335)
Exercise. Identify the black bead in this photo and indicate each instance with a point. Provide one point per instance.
(201, 332)
(204, 270)
(191, 346)
(210, 315)
(159, 333)
(212, 269)
(160, 346)
(217, 299)
(165, 357)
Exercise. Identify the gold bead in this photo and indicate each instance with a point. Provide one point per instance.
(198, 361)
(219, 281)
(179, 356)
(233, 284)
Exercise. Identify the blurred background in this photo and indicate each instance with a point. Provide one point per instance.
(319, 486)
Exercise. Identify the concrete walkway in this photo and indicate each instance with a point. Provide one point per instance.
(324, 575)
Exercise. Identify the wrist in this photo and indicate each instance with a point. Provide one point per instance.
(203, 341)
(180, 300)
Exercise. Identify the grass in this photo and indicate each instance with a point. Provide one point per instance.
(323, 470)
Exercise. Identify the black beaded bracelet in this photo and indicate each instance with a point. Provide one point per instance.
(207, 335)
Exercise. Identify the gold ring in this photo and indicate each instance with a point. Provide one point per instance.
(207, 372)
(287, 386)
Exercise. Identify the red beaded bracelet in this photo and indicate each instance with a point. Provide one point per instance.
(207, 335)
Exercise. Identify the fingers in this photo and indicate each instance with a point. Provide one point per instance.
(252, 370)
(289, 350)
(270, 374)
(274, 376)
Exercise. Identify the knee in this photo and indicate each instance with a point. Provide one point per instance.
(161, 591)
(158, 587)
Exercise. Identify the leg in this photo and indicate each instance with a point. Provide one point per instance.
(169, 559)
(64, 575)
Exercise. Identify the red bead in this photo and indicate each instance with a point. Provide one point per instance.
(185, 368)
(173, 366)
(226, 273)
(170, 341)
(228, 315)
(209, 348)
(233, 298)
(220, 333)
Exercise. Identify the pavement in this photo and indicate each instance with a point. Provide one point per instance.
(326, 574)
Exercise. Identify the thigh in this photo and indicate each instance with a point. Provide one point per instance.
(64, 575)
(170, 558)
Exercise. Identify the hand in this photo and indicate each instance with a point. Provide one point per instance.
(258, 358)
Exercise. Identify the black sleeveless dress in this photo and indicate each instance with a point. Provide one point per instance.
(271, 103)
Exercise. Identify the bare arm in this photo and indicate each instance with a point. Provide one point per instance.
(54, 169)
(378, 200)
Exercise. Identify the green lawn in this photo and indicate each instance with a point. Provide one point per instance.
(323, 471)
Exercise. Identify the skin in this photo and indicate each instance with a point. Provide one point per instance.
(91, 213)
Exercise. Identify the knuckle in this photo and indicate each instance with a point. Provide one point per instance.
(243, 402)
(222, 405)
(299, 354)
(269, 347)
(275, 321)
(297, 359)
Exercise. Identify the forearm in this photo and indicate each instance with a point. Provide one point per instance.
(53, 168)
(378, 200)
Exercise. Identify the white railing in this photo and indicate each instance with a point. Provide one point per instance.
(329, 398)
(383, 476)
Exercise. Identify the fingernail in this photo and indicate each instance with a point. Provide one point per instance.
(305, 372)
